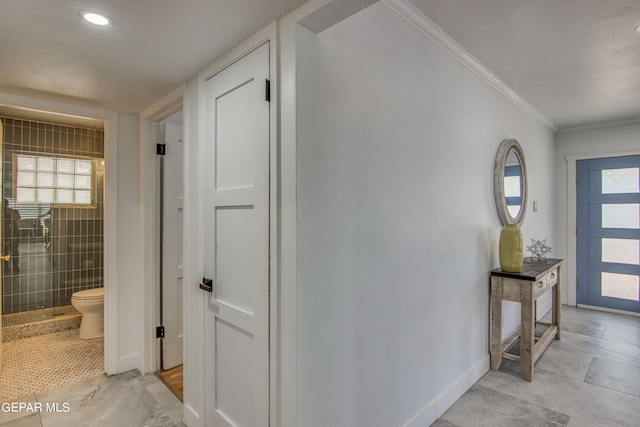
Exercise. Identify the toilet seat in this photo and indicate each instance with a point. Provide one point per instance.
(89, 294)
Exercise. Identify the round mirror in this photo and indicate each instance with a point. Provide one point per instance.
(510, 183)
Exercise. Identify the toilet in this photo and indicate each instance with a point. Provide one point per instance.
(91, 304)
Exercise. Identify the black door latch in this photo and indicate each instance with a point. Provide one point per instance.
(206, 285)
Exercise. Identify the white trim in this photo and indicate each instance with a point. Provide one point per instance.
(415, 17)
(572, 217)
(287, 315)
(569, 285)
(191, 417)
(193, 370)
(148, 221)
(111, 210)
(601, 125)
(128, 363)
(601, 154)
(437, 407)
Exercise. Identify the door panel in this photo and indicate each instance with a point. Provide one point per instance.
(609, 232)
(235, 229)
(172, 270)
(236, 243)
(234, 399)
(235, 136)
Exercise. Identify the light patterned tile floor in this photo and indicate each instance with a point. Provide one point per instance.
(588, 378)
(32, 365)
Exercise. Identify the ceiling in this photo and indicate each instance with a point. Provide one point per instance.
(576, 61)
(48, 52)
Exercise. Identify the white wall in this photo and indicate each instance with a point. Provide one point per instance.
(397, 230)
(583, 144)
(127, 244)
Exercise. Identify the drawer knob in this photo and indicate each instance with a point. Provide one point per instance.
(553, 275)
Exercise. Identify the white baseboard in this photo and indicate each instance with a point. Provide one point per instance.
(436, 408)
(191, 417)
(128, 363)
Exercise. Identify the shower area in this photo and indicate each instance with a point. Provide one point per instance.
(53, 222)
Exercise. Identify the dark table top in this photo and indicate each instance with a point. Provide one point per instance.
(531, 270)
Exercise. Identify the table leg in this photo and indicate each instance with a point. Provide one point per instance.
(496, 323)
(556, 303)
(527, 331)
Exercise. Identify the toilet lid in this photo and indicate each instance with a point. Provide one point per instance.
(96, 293)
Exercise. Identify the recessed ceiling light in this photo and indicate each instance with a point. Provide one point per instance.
(96, 18)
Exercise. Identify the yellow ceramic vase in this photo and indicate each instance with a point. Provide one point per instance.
(511, 249)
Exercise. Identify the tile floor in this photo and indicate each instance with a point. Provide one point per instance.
(39, 363)
(591, 377)
(125, 400)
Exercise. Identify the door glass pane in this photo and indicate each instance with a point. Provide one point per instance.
(620, 216)
(624, 286)
(513, 210)
(512, 186)
(624, 251)
(619, 181)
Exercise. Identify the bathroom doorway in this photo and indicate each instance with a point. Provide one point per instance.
(53, 176)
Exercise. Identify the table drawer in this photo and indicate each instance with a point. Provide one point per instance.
(545, 282)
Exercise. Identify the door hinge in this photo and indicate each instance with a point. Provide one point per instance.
(160, 332)
(576, 283)
(267, 91)
(161, 149)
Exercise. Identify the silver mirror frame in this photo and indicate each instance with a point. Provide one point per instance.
(507, 146)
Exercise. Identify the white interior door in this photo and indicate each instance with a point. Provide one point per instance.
(236, 247)
(172, 242)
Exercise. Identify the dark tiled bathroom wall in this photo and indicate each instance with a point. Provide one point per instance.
(46, 270)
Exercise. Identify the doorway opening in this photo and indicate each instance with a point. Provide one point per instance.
(53, 216)
(170, 172)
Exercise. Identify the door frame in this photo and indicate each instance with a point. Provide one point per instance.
(572, 223)
(149, 252)
(111, 209)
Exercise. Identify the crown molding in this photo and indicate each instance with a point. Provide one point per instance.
(415, 17)
(601, 125)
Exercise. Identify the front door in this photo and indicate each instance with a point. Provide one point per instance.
(172, 197)
(236, 243)
(609, 233)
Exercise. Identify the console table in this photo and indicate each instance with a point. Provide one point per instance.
(529, 341)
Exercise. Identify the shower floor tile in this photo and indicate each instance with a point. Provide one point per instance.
(32, 365)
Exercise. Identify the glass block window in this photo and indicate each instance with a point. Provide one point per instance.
(53, 180)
